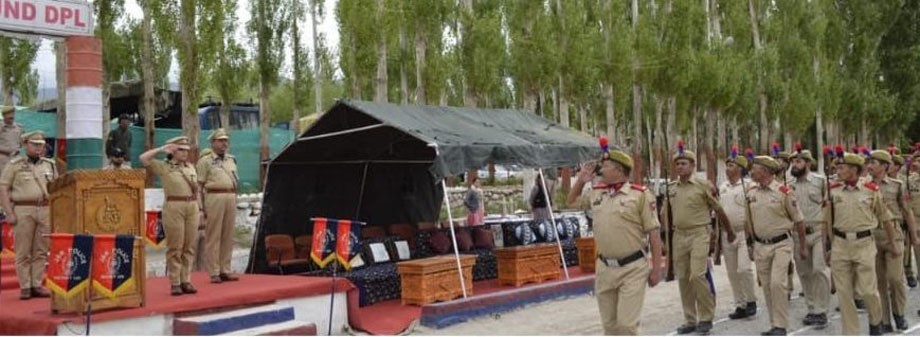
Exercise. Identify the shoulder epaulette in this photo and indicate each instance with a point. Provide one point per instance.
(599, 186)
(17, 159)
(835, 184)
(871, 186)
(784, 188)
(638, 187)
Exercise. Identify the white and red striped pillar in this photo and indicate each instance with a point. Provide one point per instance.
(84, 103)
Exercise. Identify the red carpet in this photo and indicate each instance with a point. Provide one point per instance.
(33, 317)
(8, 274)
(392, 318)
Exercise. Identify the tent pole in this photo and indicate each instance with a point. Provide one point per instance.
(552, 219)
(453, 236)
(361, 193)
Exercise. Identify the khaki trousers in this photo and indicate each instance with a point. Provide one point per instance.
(691, 264)
(892, 286)
(814, 274)
(738, 265)
(180, 219)
(620, 294)
(772, 270)
(220, 212)
(853, 270)
(31, 244)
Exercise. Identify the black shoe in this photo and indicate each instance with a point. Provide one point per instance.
(686, 329)
(216, 279)
(703, 327)
(229, 277)
(176, 291)
(188, 288)
(911, 282)
(875, 330)
(774, 332)
(751, 308)
(801, 294)
(886, 328)
(900, 322)
(860, 305)
(40, 292)
(809, 319)
(820, 321)
(25, 294)
(739, 313)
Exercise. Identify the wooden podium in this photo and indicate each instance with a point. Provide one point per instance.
(101, 202)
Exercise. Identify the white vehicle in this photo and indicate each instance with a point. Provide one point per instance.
(501, 172)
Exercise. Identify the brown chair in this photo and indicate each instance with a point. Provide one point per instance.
(279, 249)
(302, 245)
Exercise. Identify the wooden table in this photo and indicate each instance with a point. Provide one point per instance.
(587, 254)
(532, 263)
(426, 281)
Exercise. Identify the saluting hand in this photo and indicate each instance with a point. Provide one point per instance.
(587, 172)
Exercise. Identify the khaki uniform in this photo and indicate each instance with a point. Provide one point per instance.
(10, 141)
(180, 216)
(218, 175)
(913, 186)
(692, 201)
(892, 286)
(772, 215)
(622, 220)
(27, 181)
(858, 209)
(737, 262)
(814, 273)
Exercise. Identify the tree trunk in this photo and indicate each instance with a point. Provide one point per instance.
(266, 119)
(188, 75)
(762, 93)
(403, 77)
(317, 72)
(583, 116)
(421, 44)
(638, 170)
(610, 112)
(563, 104)
(356, 79)
(60, 49)
(297, 60)
(658, 145)
(381, 94)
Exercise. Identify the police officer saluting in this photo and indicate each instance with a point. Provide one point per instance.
(180, 212)
(772, 215)
(218, 178)
(859, 209)
(24, 190)
(624, 224)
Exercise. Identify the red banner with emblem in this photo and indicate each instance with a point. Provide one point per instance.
(348, 242)
(69, 263)
(113, 261)
(323, 248)
(154, 232)
(7, 238)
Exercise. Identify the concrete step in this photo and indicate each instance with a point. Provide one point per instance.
(229, 321)
(289, 328)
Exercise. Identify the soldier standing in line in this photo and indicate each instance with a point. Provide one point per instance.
(180, 211)
(771, 217)
(859, 209)
(10, 136)
(889, 268)
(625, 224)
(737, 262)
(814, 275)
(24, 190)
(218, 177)
(692, 199)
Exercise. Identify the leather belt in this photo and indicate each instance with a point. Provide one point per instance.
(773, 240)
(220, 190)
(853, 235)
(609, 262)
(38, 203)
(177, 198)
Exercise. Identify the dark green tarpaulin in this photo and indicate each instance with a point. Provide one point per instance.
(377, 162)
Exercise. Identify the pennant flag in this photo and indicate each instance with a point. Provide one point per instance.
(154, 232)
(348, 242)
(7, 239)
(323, 250)
(69, 263)
(113, 259)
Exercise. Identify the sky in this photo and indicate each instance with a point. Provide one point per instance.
(45, 64)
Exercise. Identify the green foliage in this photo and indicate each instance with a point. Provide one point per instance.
(15, 68)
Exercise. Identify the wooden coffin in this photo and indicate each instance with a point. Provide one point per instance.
(101, 202)
(426, 281)
(533, 263)
(587, 254)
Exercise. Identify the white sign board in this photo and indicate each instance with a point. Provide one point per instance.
(47, 17)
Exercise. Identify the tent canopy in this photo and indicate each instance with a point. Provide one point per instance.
(382, 163)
